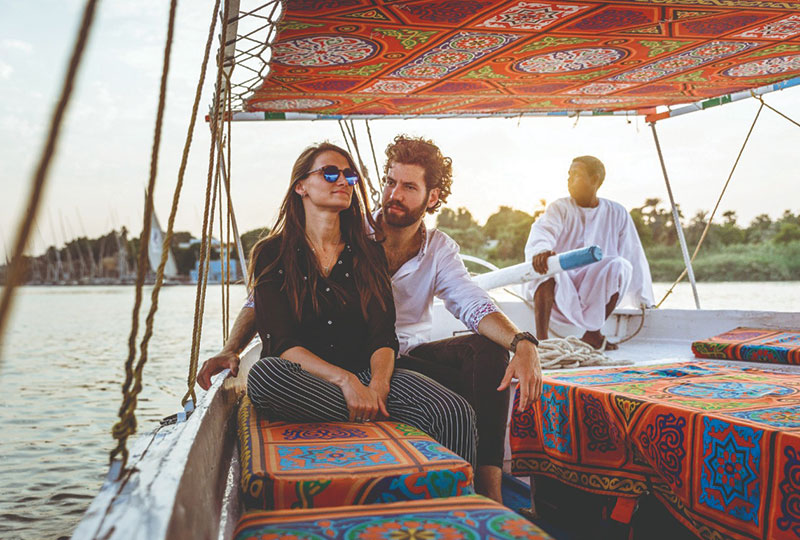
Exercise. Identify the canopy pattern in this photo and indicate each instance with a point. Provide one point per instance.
(475, 57)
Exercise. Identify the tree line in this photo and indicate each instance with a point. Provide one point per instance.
(765, 249)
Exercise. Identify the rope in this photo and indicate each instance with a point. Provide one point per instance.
(227, 312)
(571, 352)
(202, 278)
(716, 207)
(776, 111)
(222, 250)
(127, 417)
(376, 200)
(344, 136)
(16, 269)
(530, 304)
(373, 193)
(641, 325)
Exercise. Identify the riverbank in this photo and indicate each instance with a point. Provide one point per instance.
(734, 262)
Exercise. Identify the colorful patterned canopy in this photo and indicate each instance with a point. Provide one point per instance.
(362, 58)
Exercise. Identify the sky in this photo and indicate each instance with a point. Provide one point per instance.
(98, 176)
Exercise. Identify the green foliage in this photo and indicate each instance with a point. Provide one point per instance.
(789, 232)
(250, 238)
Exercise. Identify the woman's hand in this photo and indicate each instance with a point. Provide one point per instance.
(364, 403)
(382, 390)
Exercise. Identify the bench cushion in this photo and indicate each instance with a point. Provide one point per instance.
(752, 345)
(472, 517)
(290, 465)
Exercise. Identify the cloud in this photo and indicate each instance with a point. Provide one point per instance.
(5, 71)
(16, 45)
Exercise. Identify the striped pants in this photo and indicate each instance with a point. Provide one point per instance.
(286, 391)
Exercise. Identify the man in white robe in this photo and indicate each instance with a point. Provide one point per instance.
(586, 296)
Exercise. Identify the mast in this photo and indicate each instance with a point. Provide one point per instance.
(89, 254)
(58, 274)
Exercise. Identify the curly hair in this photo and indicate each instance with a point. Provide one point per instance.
(422, 152)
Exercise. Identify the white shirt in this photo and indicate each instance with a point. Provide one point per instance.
(436, 270)
(565, 226)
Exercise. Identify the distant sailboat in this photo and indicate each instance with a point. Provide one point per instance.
(154, 250)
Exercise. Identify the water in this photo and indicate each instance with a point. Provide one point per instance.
(61, 373)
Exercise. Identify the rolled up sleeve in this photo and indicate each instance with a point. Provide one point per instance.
(461, 295)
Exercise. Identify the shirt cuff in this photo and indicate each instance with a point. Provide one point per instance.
(477, 315)
(250, 302)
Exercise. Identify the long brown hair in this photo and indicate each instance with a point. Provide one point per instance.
(369, 268)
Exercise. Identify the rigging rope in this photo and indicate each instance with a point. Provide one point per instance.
(16, 269)
(344, 136)
(375, 160)
(716, 207)
(776, 111)
(127, 417)
(204, 245)
(221, 267)
(373, 193)
(227, 312)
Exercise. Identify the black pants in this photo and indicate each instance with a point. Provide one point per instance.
(472, 366)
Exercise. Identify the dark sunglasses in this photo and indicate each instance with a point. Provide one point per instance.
(331, 174)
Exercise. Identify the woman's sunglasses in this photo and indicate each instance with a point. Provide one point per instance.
(331, 174)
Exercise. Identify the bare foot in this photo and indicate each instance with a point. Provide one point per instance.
(598, 341)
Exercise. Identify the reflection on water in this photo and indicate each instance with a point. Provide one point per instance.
(63, 364)
(60, 389)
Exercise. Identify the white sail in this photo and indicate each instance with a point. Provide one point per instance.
(154, 250)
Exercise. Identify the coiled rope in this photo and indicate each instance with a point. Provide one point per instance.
(571, 352)
(16, 269)
(127, 417)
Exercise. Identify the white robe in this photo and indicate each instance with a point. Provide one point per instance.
(582, 293)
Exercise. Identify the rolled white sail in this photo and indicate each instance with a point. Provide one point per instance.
(154, 250)
(524, 272)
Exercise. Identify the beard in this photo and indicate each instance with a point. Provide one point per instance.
(408, 217)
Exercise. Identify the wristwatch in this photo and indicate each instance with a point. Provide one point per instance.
(522, 336)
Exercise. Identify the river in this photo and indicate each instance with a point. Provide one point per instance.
(63, 363)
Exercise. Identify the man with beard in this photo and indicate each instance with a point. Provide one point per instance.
(424, 264)
(586, 296)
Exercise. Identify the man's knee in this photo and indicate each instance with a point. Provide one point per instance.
(619, 266)
(484, 366)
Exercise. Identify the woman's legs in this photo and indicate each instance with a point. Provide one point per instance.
(421, 402)
(286, 390)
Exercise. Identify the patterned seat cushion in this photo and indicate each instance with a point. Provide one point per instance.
(752, 345)
(289, 465)
(472, 517)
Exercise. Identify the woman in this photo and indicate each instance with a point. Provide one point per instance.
(325, 314)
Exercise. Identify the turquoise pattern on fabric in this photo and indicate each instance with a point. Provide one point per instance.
(729, 480)
(555, 418)
(350, 455)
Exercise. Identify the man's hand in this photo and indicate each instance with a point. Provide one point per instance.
(363, 402)
(215, 364)
(540, 261)
(525, 367)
